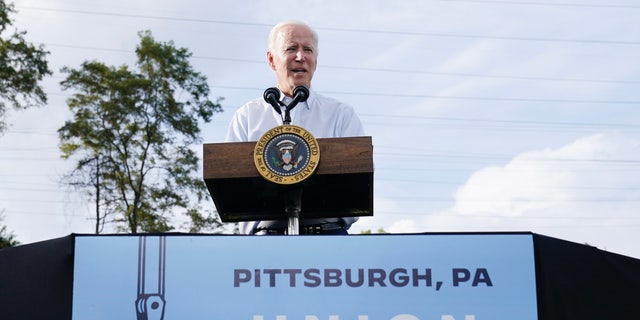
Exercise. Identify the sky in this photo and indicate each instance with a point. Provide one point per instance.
(484, 115)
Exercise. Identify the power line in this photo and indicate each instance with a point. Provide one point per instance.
(554, 4)
(46, 159)
(493, 124)
(385, 70)
(45, 201)
(30, 189)
(47, 214)
(506, 38)
(501, 99)
(518, 201)
(477, 75)
(381, 170)
(32, 132)
(407, 33)
(441, 97)
(507, 217)
(511, 122)
(140, 16)
(526, 161)
(458, 183)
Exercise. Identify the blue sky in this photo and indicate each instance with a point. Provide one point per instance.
(485, 115)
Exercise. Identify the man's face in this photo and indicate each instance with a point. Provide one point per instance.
(294, 58)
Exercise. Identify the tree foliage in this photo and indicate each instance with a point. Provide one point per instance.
(368, 231)
(7, 239)
(132, 134)
(22, 67)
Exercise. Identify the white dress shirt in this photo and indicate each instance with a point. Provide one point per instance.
(323, 117)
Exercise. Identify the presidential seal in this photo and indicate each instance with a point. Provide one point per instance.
(286, 154)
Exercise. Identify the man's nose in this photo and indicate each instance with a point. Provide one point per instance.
(300, 55)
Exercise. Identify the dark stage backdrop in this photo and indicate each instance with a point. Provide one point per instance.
(576, 281)
(36, 280)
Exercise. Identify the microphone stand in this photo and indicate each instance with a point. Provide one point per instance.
(293, 194)
(293, 206)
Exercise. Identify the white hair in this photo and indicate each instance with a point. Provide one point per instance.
(273, 35)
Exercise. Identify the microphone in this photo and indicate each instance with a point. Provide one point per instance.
(272, 96)
(300, 94)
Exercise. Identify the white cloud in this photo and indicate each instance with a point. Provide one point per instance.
(544, 180)
(586, 192)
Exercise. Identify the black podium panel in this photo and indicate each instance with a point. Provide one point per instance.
(258, 199)
(342, 185)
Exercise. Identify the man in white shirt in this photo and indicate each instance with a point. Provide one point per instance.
(292, 54)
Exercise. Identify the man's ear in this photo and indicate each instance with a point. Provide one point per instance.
(270, 61)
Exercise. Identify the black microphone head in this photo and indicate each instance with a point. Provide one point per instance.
(271, 94)
(302, 92)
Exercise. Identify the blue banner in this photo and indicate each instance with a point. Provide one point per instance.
(375, 277)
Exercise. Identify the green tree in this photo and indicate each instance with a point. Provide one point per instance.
(132, 134)
(22, 67)
(7, 239)
(368, 231)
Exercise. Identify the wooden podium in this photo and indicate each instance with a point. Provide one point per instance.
(342, 185)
